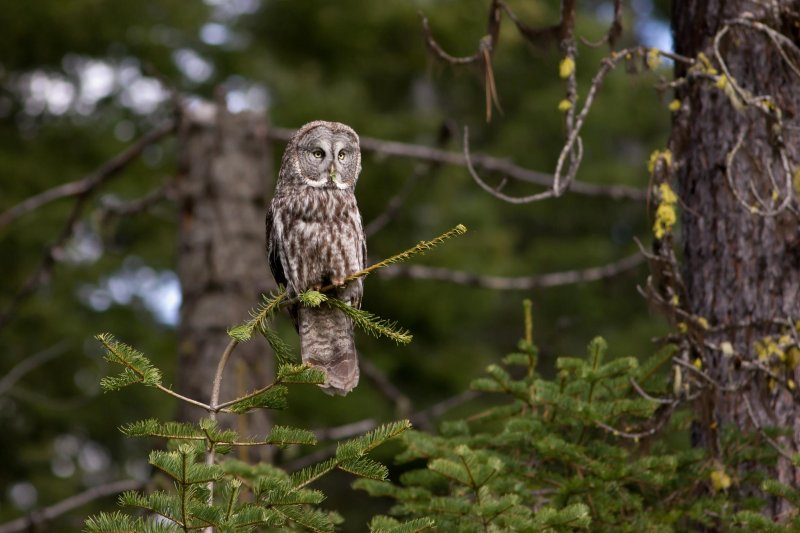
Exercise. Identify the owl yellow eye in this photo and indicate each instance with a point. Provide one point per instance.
(342, 155)
(318, 153)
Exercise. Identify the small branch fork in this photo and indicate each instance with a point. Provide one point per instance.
(82, 190)
(781, 196)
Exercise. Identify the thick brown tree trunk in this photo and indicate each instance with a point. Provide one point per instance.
(224, 173)
(741, 263)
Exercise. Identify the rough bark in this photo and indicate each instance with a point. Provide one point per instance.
(224, 173)
(742, 270)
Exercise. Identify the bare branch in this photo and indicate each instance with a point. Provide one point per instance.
(36, 519)
(553, 279)
(778, 448)
(90, 182)
(117, 208)
(30, 363)
(479, 161)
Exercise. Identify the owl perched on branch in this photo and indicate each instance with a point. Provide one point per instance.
(315, 238)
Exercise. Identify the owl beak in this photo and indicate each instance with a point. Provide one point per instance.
(332, 172)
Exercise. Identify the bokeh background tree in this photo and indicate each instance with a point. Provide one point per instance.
(82, 80)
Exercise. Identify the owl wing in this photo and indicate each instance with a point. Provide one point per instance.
(275, 265)
(360, 283)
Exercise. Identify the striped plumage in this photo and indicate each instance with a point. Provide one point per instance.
(315, 238)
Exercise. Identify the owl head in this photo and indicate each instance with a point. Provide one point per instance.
(323, 155)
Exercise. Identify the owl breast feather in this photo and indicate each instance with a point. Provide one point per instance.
(321, 238)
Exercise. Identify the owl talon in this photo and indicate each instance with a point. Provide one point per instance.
(339, 282)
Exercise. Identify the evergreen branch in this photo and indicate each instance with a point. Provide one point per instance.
(261, 397)
(138, 369)
(311, 298)
(312, 519)
(385, 524)
(117, 522)
(283, 353)
(151, 427)
(372, 323)
(273, 397)
(348, 454)
(302, 373)
(259, 317)
(420, 248)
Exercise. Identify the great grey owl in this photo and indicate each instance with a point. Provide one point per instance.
(315, 239)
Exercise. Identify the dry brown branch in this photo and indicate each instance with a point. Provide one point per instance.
(112, 207)
(91, 184)
(553, 279)
(85, 185)
(782, 199)
(479, 161)
(35, 520)
(30, 363)
(483, 56)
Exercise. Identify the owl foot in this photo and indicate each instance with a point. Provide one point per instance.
(338, 282)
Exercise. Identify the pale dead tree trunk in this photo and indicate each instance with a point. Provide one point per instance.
(741, 265)
(224, 173)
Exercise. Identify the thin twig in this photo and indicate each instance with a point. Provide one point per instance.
(86, 184)
(36, 519)
(91, 183)
(30, 363)
(771, 441)
(211, 452)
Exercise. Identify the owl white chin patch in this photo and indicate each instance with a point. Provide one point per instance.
(340, 184)
(317, 183)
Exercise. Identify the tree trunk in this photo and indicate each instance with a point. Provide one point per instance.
(741, 263)
(224, 171)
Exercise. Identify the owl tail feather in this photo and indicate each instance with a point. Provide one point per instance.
(327, 341)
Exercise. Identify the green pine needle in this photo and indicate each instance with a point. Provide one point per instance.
(271, 398)
(372, 324)
(420, 248)
(171, 430)
(366, 468)
(312, 298)
(312, 519)
(386, 524)
(302, 373)
(283, 353)
(138, 368)
(284, 435)
(260, 316)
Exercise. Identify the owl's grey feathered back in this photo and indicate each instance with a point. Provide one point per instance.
(315, 238)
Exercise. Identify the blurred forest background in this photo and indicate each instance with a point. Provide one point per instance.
(81, 80)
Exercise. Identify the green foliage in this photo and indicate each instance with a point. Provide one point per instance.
(210, 493)
(573, 453)
(137, 367)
